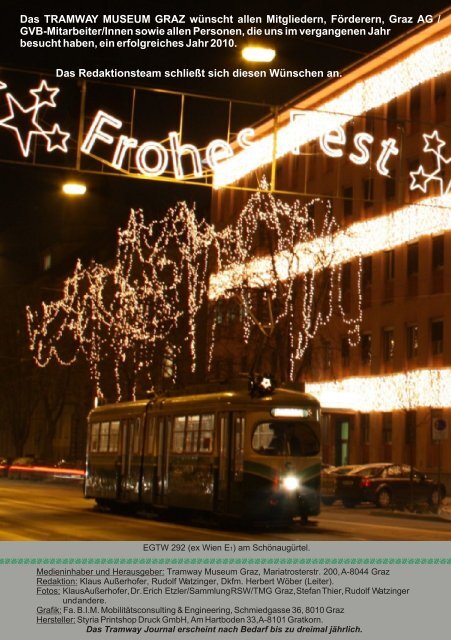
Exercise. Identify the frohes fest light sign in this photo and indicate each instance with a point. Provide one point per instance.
(153, 159)
(106, 142)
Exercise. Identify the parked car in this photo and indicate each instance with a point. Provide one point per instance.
(4, 466)
(28, 468)
(386, 484)
(20, 467)
(329, 482)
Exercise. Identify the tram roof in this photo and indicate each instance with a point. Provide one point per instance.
(208, 395)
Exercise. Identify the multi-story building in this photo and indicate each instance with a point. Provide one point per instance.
(374, 142)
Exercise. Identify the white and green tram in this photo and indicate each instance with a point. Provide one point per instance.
(217, 448)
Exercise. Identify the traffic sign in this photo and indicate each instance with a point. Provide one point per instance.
(439, 429)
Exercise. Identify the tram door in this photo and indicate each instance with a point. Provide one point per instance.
(163, 438)
(129, 463)
(342, 431)
(231, 458)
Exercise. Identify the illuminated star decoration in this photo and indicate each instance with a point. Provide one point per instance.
(45, 95)
(420, 178)
(24, 121)
(56, 139)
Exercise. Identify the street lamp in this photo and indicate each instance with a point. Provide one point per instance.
(74, 189)
(258, 54)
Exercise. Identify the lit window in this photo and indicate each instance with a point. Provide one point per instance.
(193, 434)
(365, 348)
(388, 344)
(94, 442)
(412, 341)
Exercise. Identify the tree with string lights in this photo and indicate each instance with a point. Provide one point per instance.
(141, 322)
(281, 263)
(136, 319)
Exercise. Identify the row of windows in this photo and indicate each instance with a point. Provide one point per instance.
(410, 428)
(436, 333)
(389, 264)
(388, 345)
(191, 434)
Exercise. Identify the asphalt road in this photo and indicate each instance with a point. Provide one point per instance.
(46, 511)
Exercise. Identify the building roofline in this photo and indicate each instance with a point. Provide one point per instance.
(396, 48)
(372, 82)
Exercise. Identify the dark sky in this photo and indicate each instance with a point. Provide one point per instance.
(34, 213)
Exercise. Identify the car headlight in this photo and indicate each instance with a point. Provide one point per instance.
(291, 483)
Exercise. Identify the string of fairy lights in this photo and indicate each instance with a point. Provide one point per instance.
(409, 223)
(277, 226)
(122, 318)
(375, 90)
(118, 317)
(396, 392)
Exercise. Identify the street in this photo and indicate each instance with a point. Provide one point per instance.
(45, 511)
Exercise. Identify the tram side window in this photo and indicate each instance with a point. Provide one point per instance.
(136, 426)
(105, 436)
(193, 434)
(178, 434)
(206, 433)
(94, 442)
(113, 441)
(285, 439)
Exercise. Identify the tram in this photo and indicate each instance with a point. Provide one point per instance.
(224, 449)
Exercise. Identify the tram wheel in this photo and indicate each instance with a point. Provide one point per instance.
(103, 505)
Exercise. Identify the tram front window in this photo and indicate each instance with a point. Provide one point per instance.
(285, 439)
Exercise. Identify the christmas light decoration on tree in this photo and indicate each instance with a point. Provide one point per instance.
(292, 290)
(124, 318)
(134, 316)
(382, 233)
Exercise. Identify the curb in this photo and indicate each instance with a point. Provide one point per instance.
(444, 516)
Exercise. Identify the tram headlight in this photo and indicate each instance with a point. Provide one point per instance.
(291, 483)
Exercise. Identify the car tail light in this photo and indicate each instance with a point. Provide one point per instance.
(365, 482)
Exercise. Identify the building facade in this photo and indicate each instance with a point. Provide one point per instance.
(376, 143)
